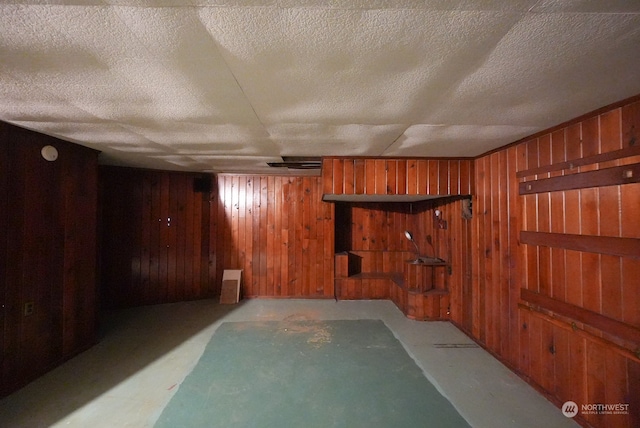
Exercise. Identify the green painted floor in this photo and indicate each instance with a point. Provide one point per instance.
(341, 373)
(145, 354)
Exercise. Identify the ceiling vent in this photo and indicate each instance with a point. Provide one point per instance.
(298, 162)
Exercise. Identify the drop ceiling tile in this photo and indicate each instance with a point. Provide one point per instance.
(556, 80)
(24, 102)
(350, 66)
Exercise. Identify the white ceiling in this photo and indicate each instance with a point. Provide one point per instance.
(226, 86)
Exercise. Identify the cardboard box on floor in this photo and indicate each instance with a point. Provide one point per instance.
(230, 291)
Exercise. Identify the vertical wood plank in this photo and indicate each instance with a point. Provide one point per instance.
(544, 219)
(422, 177)
(578, 368)
(370, 176)
(327, 175)
(257, 243)
(434, 175)
(338, 176)
(270, 235)
(609, 218)
(590, 146)
(454, 177)
(349, 180)
(557, 213)
(465, 178)
(401, 182)
(172, 239)
(183, 187)
(264, 232)
(392, 177)
(633, 380)
(359, 176)
(412, 177)
(596, 378)
(444, 187)
(616, 391)
(380, 169)
(197, 244)
(503, 248)
(630, 227)
(163, 268)
(278, 209)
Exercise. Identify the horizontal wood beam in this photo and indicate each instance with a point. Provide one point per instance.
(602, 157)
(603, 177)
(610, 245)
(577, 313)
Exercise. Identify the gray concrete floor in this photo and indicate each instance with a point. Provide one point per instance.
(145, 353)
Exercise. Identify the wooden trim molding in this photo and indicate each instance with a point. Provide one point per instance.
(603, 177)
(611, 245)
(577, 313)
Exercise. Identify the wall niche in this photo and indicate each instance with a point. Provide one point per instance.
(373, 256)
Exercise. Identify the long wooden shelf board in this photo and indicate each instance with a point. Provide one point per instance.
(393, 276)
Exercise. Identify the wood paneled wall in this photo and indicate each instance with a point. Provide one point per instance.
(163, 242)
(278, 231)
(375, 232)
(385, 176)
(157, 244)
(48, 254)
(378, 228)
(548, 298)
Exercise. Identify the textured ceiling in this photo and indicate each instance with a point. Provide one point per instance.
(226, 86)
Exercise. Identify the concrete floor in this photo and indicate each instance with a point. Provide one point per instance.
(145, 353)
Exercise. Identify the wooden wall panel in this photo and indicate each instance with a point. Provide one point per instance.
(566, 358)
(402, 176)
(155, 238)
(285, 242)
(378, 241)
(48, 254)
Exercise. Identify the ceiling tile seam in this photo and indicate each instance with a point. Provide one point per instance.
(215, 44)
(235, 78)
(477, 62)
(534, 6)
(152, 54)
(394, 140)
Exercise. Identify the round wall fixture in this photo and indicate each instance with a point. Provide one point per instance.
(50, 153)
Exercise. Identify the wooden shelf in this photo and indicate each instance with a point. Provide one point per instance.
(396, 277)
(418, 289)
